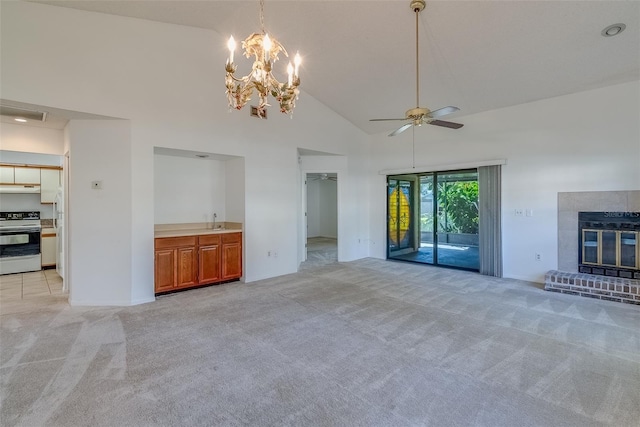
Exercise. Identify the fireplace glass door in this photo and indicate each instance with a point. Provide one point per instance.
(609, 248)
(628, 250)
(590, 246)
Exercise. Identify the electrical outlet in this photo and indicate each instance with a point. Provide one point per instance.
(518, 212)
(268, 253)
(96, 185)
(538, 257)
(275, 253)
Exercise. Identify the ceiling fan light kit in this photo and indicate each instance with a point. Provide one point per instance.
(419, 115)
(265, 49)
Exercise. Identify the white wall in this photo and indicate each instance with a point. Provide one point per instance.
(328, 209)
(235, 193)
(188, 190)
(313, 208)
(99, 269)
(570, 143)
(10, 202)
(31, 139)
(322, 208)
(166, 80)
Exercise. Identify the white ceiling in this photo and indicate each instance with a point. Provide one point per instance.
(359, 56)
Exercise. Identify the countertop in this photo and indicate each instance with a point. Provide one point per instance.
(195, 229)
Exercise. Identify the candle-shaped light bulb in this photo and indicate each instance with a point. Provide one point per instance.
(297, 61)
(290, 74)
(231, 44)
(266, 45)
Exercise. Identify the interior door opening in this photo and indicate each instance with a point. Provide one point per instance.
(433, 218)
(321, 218)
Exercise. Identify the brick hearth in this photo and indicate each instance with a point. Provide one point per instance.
(592, 286)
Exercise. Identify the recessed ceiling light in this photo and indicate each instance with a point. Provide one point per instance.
(20, 119)
(613, 30)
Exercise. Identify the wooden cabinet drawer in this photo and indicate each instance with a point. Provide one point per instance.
(173, 242)
(232, 238)
(209, 239)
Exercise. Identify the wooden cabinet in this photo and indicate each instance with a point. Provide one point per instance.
(165, 270)
(49, 184)
(231, 256)
(187, 267)
(188, 261)
(48, 247)
(176, 263)
(209, 258)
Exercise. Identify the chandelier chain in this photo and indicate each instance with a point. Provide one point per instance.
(262, 16)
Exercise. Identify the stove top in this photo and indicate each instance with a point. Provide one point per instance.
(18, 216)
(19, 219)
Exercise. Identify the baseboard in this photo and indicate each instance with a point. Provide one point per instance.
(112, 303)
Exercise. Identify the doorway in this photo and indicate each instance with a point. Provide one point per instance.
(433, 218)
(321, 219)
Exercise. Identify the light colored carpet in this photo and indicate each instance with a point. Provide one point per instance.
(365, 343)
(321, 251)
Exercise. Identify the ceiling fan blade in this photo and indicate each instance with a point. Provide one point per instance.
(401, 129)
(385, 120)
(444, 124)
(443, 111)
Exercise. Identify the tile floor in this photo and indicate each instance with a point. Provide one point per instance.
(29, 286)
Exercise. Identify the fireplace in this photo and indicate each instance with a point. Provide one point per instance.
(598, 252)
(609, 244)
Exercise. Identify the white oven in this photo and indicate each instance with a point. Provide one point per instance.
(19, 242)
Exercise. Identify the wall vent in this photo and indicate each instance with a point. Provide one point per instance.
(254, 113)
(6, 110)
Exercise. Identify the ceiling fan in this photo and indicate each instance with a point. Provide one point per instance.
(322, 177)
(419, 115)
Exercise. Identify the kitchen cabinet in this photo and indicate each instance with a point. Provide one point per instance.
(49, 184)
(231, 256)
(188, 261)
(176, 263)
(48, 247)
(7, 175)
(26, 175)
(209, 258)
(47, 177)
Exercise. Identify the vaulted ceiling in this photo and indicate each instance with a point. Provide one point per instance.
(359, 56)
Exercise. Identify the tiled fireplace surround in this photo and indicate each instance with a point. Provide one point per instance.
(567, 279)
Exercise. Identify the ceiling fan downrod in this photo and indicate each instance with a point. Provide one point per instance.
(417, 6)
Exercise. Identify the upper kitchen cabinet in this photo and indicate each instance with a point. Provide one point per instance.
(7, 175)
(49, 184)
(26, 175)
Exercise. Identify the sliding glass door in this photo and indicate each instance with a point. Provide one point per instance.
(440, 213)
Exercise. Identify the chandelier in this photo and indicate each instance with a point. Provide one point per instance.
(265, 50)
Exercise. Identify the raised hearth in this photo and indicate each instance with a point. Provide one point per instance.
(593, 286)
